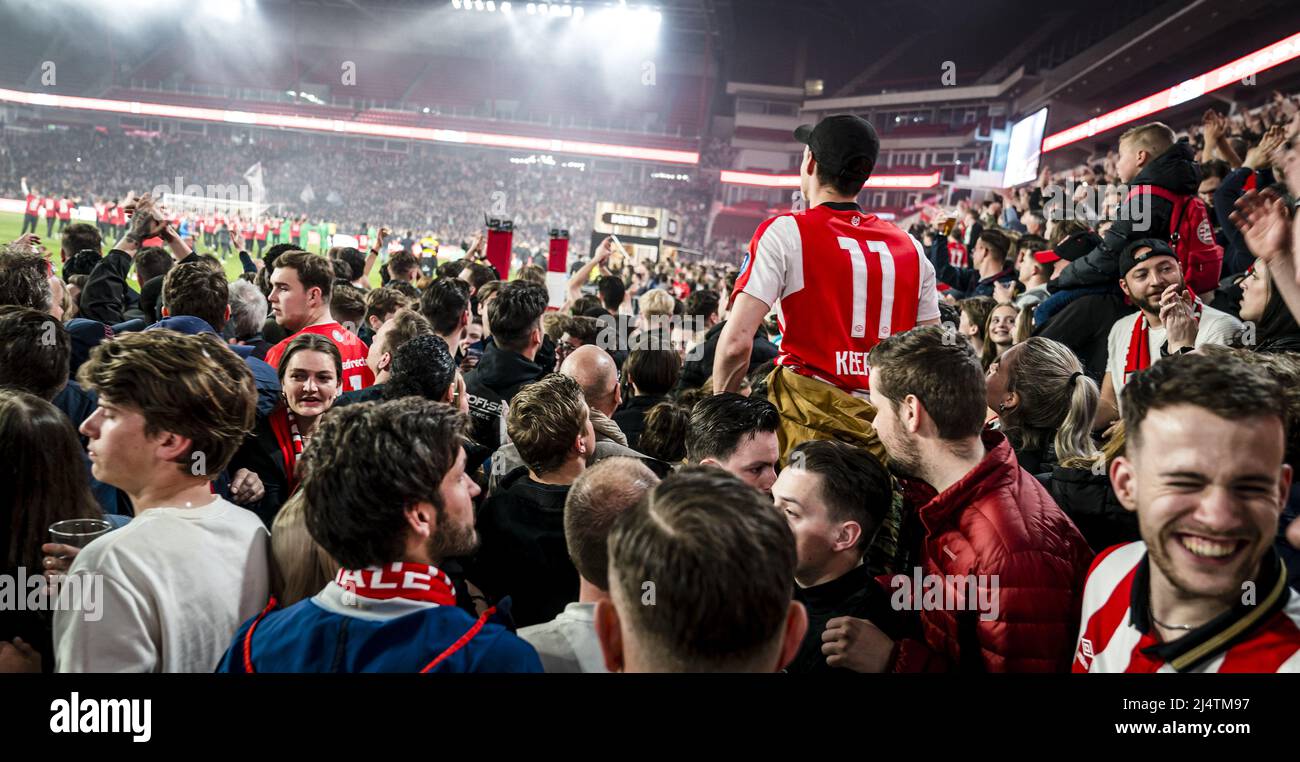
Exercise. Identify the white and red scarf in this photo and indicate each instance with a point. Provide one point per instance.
(411, 581)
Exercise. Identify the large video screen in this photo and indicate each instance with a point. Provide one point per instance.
(1025, 148)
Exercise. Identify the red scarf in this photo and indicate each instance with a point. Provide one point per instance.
(285, 428)
(1139, 344)
(414, 582)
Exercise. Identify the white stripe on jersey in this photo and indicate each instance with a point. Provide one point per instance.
(1104, 579)
(1119, 651)
(777, 269)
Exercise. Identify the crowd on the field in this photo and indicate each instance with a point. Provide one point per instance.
(465, 471)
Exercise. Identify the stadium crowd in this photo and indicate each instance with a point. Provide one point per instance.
(1067, 457)
(440, 192)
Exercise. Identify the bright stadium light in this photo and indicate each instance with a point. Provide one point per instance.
(543, 8)
(505, 7)
(532, 9)
(455, 4)
(478, 5)
(579, 12)
(352, 127)
(492, 6)
(1230, 73)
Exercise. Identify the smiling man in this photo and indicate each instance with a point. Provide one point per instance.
(1204, 590)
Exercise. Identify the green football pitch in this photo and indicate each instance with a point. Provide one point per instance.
(11, 223)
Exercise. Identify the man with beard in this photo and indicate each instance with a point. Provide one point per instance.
(1203, 591)
(1000, 568)
(389, 608)
(1170, 320)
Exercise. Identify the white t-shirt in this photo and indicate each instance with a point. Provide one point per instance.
(568, 643)
(1216, 328)
(177, 583)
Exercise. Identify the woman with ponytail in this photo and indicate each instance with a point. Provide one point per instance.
(1044, 403)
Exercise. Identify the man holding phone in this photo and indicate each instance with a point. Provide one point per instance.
(1169, 320)
(840, 279)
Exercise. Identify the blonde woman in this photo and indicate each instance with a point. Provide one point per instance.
(302, 567)
(1045, 403)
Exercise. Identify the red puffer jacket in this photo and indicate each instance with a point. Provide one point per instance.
(1001, 536)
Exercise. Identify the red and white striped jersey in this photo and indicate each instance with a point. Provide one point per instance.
(841, 280)
(1262, 635)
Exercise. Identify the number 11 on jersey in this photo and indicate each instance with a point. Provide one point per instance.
(858, 261)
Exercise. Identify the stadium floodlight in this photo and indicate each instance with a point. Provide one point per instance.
(579, 12)
(532, 9)
(350, 127)
(492, 6)
(455, 4)
(760, 180)
(1230, 73)
(505, 7)
(566, 11)
(478, 5)
(543, 9)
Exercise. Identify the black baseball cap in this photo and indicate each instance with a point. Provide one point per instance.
(845, 144)
(1128, 259)
(1077, 245)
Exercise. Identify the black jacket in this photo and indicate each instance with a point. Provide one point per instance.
(696, 371)
(1175, 170)
(1089, 501)
(372, 393)
(1236, 256)
(1084, 327)
(522, 552)
(260, 453)
(491, 385)
(854, 594)
(106, 295)
(631, 416)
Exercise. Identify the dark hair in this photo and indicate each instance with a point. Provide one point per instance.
(597, 497)
(611, 290)
(584, 329)
(406, 289)
(151, 262)
(401, 263)
(654, 371)
(450, 269)
(701, 303)
(515, 312)
(720, 422)
(545, 418)
(584, 304)
(195, 289)
(664, 433)
(369, 463)
(941, 370)
(978, 309)
(355, 261)
(444, 302)
(42, 479)
(194, 386)
(1223, 384)
(341, 271)
(310, 342)
(23, 279)
(949, 314)
(422, 367)
(481, 274)
(80, 236)
(384, 301)
(81, 263)
(843, 185)
(34, 351)
(348, 304)
(855, 486)
(998, 242)
(723, 563)
(272, 255)
(313, 271)
(1215, 168)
